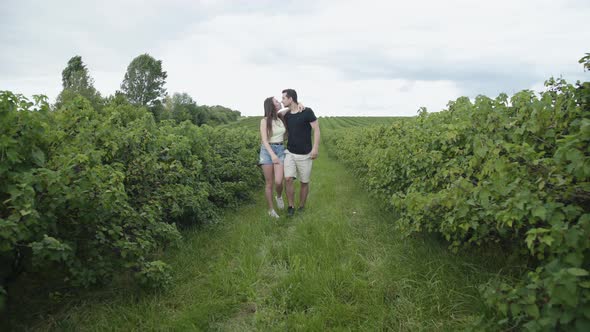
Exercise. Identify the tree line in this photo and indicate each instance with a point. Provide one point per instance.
(143, 85)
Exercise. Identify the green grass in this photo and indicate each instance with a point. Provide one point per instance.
(338, 266)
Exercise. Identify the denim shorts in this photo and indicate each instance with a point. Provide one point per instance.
(265, 158)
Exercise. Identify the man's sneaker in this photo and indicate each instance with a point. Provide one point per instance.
(280, 202)
(273, 214)
(290, 211)
(301, 209)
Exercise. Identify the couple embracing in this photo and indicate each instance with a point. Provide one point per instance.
(295, 122)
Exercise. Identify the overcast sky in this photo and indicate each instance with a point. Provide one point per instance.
(343, 57)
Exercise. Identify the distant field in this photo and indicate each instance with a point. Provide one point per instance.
(337, 122)
(332, 122)
(251, 122)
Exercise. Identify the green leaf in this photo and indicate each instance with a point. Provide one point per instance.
(540, 212)
(575, 271)
(574, 155)
(547, 239)
(532, 310)
(38, 156)
(503, 307)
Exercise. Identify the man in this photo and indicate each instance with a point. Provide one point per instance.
(300, 152)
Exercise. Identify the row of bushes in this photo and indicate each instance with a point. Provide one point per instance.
(91, 192)
(511, 171)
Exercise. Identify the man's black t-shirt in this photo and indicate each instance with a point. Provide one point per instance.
(299, 131)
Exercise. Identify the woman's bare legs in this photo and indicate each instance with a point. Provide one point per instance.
(268, 177)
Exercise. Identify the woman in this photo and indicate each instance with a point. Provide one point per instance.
(272, 152)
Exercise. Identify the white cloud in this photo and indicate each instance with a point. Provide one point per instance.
(343, 57)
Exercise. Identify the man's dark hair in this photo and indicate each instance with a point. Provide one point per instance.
(291, 94)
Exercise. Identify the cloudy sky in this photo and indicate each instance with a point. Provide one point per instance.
(343, 57)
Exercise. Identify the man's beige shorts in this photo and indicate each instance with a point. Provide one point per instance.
(298, 166)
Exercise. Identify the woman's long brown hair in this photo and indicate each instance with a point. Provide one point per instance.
(270, 113)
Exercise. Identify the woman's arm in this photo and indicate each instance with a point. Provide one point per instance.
(281, 113)
(264, 138)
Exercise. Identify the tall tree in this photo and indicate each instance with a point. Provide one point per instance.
(144, 81)
(75, 75)
(585, 61)
(77, 81)
(183, 107)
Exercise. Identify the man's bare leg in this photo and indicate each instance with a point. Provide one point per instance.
(303, 194)
(290, 184)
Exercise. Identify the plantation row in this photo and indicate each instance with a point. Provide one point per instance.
(355, 121)
(87, 193)
(512, 172)
(249, 122)
(253, 122)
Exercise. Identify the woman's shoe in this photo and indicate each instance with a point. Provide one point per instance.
(280, 202)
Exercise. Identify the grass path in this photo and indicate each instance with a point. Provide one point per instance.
(337, 266)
